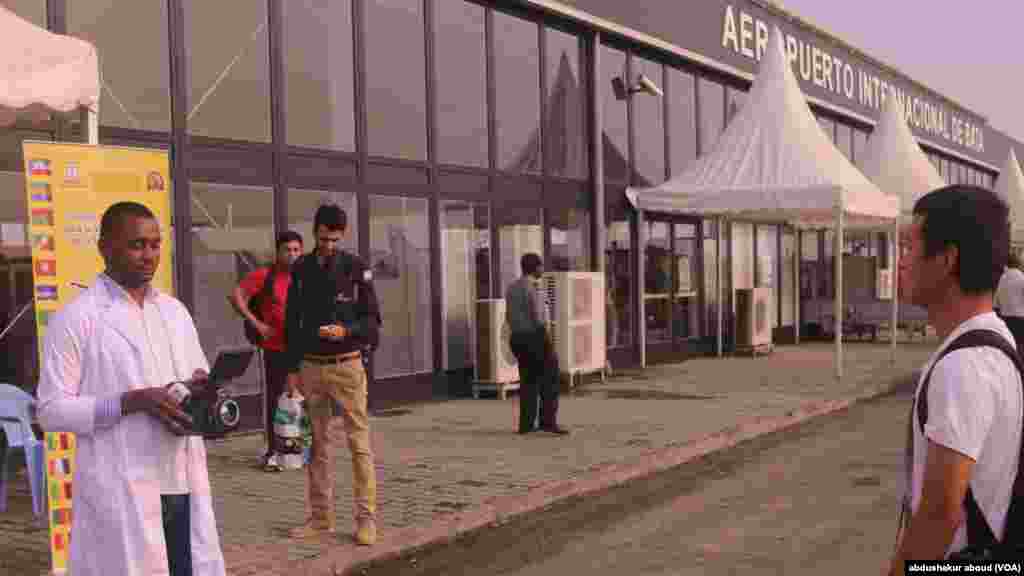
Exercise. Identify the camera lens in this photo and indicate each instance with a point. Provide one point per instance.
(229, 413)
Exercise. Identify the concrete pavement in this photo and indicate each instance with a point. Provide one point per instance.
(448, 468)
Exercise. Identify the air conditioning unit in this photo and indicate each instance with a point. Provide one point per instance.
(576, 301)
(883, 284)
(495, 363)
(753, 329)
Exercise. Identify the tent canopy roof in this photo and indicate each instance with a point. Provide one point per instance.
(894, 160)
(44, 70)
(773, 163)
(1010, 187)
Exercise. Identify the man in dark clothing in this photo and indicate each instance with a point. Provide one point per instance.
(270, 325)
(331, 318)
(528, 319)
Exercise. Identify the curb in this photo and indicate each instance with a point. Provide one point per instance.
(404, 542)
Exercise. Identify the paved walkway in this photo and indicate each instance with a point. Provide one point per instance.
(447, 467)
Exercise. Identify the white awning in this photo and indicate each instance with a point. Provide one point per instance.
(44, 71)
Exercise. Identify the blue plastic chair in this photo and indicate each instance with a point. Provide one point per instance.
(16, 424)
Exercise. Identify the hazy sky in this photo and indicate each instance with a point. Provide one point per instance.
(969, 51)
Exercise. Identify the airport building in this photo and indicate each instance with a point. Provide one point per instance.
(458, 135)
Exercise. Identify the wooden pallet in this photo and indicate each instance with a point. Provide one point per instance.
(501, 388)
(760, 350)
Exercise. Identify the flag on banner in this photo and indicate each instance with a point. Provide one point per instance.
(41, 192)
(42, 216)
(39, 167)
(46, 267)
(45, 292)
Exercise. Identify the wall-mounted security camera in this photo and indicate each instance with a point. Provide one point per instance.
(643, 85)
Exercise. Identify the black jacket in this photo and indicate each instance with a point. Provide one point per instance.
(341, 292)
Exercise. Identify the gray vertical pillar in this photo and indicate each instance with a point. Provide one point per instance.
(894, 267)
(837, 255)
(797, 256)
(641, 324)
(719, 238)
(599, 234)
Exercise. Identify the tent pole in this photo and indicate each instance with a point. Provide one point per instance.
(90, 125)
(837, 255)
(798, 240)
(895, 284)
(641, 337)
(718, 282)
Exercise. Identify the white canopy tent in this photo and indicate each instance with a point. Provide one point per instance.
(46, 72)
(1010, 187)
(894, 161)
(774, 164)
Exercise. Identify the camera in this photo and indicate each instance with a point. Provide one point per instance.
(214, 413)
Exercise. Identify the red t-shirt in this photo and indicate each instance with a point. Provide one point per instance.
(273, 308)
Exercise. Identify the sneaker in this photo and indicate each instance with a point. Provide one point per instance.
(310, 530)
(272, 464)
(366, 531)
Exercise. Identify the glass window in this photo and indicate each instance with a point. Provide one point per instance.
(737, 98)
(947, 171)
(32, 10)
(228, 70)
(400, 257)
(619, 275)
(465, 261)
(570, 230)
(134, 60)
(682, 120)
(396, 91)
(786, 281)
(937, 162)
(827, 275)
(828, 126)
(712, 113)
(18, 348)
(649, 122)
(319, 74)
(565, 143)
(232, 235)
(658, 280)
(685, 310)
(460, 61)
(860, 144)
(517, 93)
(302, 205)
(615, 143)
(844, 140)
(519, 231)
(743, 254)
(709, 244)
(767, 271)
(809, 268)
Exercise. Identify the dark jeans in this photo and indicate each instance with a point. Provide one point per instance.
(538, 376)
(276, 379)
(178, 533)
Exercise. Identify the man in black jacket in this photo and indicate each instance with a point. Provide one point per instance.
(332, 316)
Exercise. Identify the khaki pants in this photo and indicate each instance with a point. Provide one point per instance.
(325, 386)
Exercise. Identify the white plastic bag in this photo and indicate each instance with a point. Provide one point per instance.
(288, 424)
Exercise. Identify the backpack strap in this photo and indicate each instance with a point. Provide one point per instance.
(979, 533)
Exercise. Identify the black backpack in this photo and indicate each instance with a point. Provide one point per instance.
(981, 541)
(256, 307)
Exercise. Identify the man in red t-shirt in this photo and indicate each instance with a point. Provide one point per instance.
(289, 248)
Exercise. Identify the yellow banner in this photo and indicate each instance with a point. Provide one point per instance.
(69, 186)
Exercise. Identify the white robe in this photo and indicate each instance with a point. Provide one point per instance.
(91, 350)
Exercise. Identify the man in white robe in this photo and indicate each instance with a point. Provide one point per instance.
(142, 504)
